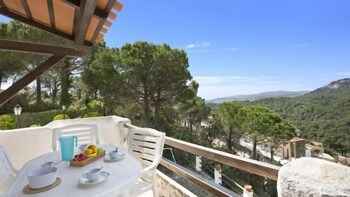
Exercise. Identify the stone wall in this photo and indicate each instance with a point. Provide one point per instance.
(167, 187)
(312, 177)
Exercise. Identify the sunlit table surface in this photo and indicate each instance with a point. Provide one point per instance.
(123, 177)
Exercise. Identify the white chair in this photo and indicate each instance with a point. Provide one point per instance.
(147, 145)
(7, 172)
(86, 134)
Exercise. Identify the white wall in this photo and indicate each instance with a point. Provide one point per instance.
(24, 144)
(110, 128)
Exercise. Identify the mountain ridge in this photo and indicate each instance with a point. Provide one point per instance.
(322, 114)
(258, 96)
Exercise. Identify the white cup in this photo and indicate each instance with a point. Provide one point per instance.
(113, 155)
(92, 175)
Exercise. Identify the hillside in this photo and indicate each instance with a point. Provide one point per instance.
(323, 114)
(259, 96)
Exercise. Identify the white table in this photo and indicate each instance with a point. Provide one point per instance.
(123, 177)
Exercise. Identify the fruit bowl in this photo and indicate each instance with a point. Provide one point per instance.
(89, 155)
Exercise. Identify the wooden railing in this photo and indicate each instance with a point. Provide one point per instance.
(248, 165)
(222, 158)
(204, 183)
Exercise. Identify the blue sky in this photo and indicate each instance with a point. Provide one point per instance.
(246, 46)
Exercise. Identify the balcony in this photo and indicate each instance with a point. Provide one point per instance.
(172, 178)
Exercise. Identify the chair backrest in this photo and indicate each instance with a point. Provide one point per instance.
(146, 144)
(86, 134)
(7, 172)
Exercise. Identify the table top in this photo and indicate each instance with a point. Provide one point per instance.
(123, 175)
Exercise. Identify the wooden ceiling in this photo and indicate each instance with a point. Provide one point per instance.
(83, 21)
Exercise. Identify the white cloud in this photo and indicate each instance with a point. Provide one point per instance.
(191, 46)
(205, 47)
(220, 80)
(343, 74)
(198, 45)
(215, 86)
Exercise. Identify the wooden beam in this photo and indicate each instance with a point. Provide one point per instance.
(102, 21)
(26, 9)
(112, 16)
(118, 6)
(108, 23)
(23, 19)
(51, 13)
(103, 30)
(41, 48)
(207, 185)
(8, 13)
(97, 31)
(2, 4)
(86, 11)
(6, 95)
(102, 14)
(99, 38)
(248, 165)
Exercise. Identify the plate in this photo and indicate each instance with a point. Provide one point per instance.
(28, 190)
(120, 156)
(102, 177)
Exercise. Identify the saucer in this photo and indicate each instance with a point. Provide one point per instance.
(120, 156)
(102, 177)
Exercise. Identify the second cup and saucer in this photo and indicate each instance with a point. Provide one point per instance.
(114, 155)
(93, 177)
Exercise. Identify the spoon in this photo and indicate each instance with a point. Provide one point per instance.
(95, 170)
(50, 164)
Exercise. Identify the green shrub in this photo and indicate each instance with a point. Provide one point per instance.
(61, 117)
(72, 113)
(7, 122)
(95, 105)
(91, 114)
(38, 118)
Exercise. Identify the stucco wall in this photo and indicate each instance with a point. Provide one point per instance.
(23, 145)
(110, 128)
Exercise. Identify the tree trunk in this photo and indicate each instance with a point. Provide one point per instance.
(229, 141)
(271, 153)
(189, 123)
(146, 105)
(0, 80)
(65, 85)
(54, 93)
(147, 111)
(254, 147)
(157, 111)
(191, 126)
(38, 91)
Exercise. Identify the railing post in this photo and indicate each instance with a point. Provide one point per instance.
(199, 163)
(218, 174)
(248, 191)
(308, 153)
